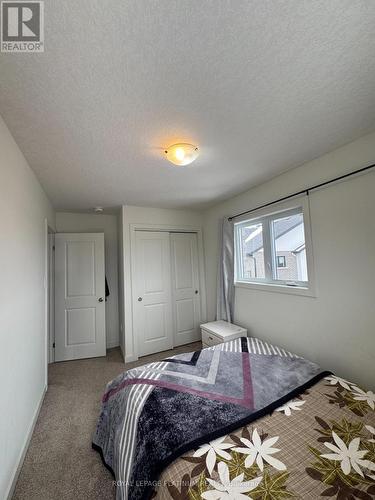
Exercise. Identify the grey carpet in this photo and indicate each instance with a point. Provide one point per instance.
(60, 463)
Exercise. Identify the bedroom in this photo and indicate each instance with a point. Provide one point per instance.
(115, 253)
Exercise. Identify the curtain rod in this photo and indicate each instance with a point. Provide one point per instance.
(303, 191)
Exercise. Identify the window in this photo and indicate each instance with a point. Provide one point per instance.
(281, 260)
(271, 249)
(252, 240)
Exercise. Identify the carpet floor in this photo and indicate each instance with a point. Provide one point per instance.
(60, 464)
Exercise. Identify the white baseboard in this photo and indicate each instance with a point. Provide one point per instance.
(112, 343)
(130, 359)
(25, 446)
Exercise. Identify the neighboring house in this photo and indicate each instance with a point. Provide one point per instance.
(289, 241)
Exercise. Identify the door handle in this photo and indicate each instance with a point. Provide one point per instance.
(196, 292)
(100, 299)
(139, 299)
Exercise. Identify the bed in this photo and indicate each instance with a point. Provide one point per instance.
(238, 420)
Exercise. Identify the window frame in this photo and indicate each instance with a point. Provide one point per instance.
(266, 215)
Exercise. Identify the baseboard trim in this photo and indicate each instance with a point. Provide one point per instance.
(112, 343)
(21, 457)
(130, 358)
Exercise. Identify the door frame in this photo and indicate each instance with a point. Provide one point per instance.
(49, 297)
(129, 325)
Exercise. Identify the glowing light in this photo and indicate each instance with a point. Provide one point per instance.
(182, 154)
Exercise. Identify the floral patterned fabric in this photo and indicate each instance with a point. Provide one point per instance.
(321, 444)
(153, 414)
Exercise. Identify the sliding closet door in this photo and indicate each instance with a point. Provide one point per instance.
(185, 288)
(152, 298)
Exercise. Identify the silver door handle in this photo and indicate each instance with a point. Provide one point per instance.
(139, 299)
(101, 299)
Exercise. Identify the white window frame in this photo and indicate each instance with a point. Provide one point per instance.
(265, 216)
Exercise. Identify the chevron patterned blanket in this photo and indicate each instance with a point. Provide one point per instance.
(153, 414)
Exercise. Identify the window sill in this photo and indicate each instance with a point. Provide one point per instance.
(271, 287)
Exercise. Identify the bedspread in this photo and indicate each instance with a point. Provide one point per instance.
(153, 414)
(320, 444)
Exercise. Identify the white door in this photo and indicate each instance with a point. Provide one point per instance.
(152, 304)
(79, 296)
(185, 288)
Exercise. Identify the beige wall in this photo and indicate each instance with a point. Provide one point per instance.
(23, 208)
(99, 223)
(335, 329)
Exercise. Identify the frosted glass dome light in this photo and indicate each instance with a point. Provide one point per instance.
(182, 153)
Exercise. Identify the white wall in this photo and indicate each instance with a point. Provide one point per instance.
(150, 216)
(336, 328)
(23, 209)
(107, 224)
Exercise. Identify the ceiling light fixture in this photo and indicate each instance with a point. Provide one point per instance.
(182, 153)
(98, 210)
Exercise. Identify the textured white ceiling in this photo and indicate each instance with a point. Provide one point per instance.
(260, 86)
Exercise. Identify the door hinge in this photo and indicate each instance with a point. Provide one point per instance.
(53, 345)
(53, 247)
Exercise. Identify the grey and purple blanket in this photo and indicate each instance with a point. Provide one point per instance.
(154, 413)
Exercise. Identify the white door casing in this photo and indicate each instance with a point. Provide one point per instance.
(185, 288)
(51, 297)
(79, 296)
(152, 298)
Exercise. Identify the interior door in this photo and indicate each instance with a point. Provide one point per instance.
(185, 288)
(152, 305)
(79, 296)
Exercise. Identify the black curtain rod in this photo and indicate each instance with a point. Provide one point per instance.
(304, 191)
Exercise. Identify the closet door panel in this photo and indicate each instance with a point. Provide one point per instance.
(152, 296)
(185, 288)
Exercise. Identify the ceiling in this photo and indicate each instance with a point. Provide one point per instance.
(261, 86)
